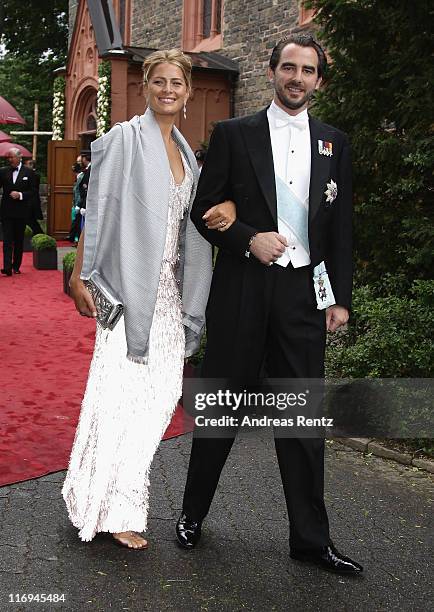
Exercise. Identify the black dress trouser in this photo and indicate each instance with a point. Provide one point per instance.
(13, 242)
(279, 326)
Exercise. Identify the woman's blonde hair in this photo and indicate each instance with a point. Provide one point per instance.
(170, 56)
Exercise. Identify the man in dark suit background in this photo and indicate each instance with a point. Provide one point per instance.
(18, 186)
(290, 178)
(84, 183)
(35, 209)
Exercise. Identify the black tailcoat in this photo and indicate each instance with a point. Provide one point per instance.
(239, 167)
(35, 202)
(25, 183)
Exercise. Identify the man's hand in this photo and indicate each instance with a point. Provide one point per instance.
(15, 195)
(82, 298)
(221, 216)
(268, 247)
(336, 316)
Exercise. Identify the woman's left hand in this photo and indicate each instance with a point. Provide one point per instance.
(221, 216)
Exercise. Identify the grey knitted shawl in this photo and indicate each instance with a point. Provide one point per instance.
(125, 230)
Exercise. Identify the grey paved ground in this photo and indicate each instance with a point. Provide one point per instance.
(379, 513)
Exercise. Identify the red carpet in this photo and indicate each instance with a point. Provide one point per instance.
(46, 348)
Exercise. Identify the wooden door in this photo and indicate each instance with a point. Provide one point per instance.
(210, 103)
(62, 154)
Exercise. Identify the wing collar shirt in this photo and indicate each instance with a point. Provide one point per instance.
(290, 143)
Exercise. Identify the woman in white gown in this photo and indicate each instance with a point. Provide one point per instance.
(135, 377)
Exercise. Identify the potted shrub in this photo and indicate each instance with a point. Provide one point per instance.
(44, 252)
(68, 265)
(27, 245)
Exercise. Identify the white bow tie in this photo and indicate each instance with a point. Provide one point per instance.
(300, 122)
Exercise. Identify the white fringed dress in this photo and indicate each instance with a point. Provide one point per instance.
(128, 406)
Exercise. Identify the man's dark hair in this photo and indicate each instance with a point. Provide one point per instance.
(303, 40)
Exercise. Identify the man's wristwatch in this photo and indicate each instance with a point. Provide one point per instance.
(247, 251)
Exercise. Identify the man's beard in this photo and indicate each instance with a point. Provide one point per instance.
(294, 105)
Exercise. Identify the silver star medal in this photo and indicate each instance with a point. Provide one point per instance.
(331, 192)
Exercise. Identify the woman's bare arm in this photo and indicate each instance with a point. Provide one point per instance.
(81, 296)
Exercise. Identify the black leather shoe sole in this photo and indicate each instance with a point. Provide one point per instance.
(323, 564)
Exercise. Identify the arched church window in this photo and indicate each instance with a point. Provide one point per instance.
(202, 25)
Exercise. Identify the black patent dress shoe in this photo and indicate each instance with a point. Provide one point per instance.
(329, 559)
(6, 272)
(16, 271)
(187, 532)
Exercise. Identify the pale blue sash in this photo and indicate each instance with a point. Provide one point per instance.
(291, 211)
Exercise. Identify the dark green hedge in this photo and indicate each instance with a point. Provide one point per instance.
(387, 337)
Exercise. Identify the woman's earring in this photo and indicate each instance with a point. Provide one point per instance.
(185, 110)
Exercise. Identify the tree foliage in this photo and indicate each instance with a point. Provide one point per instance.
(39, 31)
(35, 40)
(378, 91)
(390, 336)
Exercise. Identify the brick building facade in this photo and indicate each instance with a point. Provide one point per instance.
(229, 42)
(249, 30)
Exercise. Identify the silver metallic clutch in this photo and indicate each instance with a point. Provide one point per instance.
(108, 309)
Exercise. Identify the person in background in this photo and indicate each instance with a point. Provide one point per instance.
(74, 233)
(84, 184)
(18, 184)
(35, 210)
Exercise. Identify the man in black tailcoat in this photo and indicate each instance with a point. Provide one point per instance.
(18, 186)
(290, 178)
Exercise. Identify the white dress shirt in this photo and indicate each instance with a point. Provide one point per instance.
(15, 174)
(290, 143)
